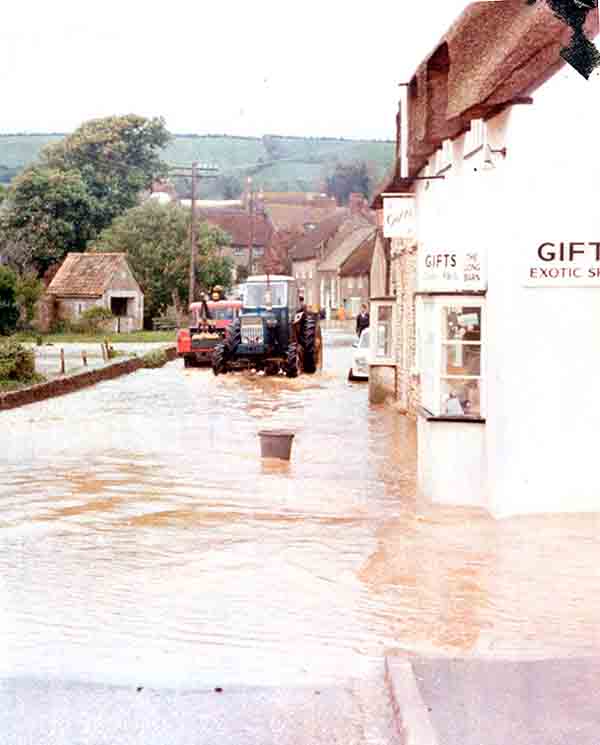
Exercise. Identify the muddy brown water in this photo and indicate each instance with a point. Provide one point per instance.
(143, 540)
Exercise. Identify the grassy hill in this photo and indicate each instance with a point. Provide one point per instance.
(275, 163)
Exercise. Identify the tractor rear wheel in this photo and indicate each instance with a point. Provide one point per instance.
(219, 364)
(312, 341)
(293, 366)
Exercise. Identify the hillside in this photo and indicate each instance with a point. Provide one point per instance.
(275, 163)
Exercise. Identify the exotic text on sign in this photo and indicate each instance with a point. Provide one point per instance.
(564, 263)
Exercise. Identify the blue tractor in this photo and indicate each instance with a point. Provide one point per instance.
(273, 333)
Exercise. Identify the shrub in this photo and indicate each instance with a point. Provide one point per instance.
(92, 320)
(16, 361)
(157, 358)
(9, 312)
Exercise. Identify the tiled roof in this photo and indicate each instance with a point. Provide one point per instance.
(87, 274)
(238, 224)
(353, 234)
(307, 247)
(359, 261)
(291, 215)
(298, 198)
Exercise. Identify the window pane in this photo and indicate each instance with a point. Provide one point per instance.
(461, 359)
(462, 323)
(384, 313)
(461, 398)
(384, 331)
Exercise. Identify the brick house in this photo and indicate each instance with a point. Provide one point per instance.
(241, 227)
(86, 280)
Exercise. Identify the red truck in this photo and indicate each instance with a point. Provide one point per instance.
(209, 323)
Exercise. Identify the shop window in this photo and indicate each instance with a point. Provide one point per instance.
(451, 344)
(382, 332)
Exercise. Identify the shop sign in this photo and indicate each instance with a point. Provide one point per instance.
(563, 264)
(399, 216)
(461, 270)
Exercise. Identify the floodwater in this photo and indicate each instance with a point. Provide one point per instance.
(143, 540)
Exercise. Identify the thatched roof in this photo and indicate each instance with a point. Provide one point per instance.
(494, 54)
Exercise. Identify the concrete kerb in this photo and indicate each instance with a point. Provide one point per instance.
(411, 717)
(71, 383)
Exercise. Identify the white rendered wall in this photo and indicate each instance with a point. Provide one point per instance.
(543, 344)
(451, 462)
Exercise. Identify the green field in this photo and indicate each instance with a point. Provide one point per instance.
(275, 163)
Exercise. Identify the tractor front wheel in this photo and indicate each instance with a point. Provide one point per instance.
(219, 365)
(233, 337)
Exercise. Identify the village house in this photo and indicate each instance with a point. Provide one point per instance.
(307, 252)
(297, 211)
(353, 234)
(354, 274)
(318, 255)
(87, 280)
(493, 296)
(242, 228)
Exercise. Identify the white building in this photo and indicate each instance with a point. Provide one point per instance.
(508, 256)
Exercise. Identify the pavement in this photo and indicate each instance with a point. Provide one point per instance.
(60, 713)
(495, 702)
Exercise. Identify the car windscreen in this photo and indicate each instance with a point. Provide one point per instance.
(254, 296)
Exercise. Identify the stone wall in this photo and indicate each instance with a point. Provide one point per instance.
(70, 309)
(404, 283)
(71, 383)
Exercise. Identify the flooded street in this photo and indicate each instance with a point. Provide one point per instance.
(143, 540)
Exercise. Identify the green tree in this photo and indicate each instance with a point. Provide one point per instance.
(348, 178)
(2, 193)
(47, 216)
(79, 186)
(9, 312)
(28, 290)
(156, 240)
(230, 186)
(117, 157)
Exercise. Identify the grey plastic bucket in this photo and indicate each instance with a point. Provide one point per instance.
(276, 443)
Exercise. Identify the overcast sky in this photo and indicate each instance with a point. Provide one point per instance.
(320, 67)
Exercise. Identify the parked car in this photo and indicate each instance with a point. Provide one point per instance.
(360, 358)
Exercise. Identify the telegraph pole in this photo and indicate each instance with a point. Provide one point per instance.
(251, 237)
(197, 170)
(193, 248)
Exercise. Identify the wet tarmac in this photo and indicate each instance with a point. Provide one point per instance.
(143, 541)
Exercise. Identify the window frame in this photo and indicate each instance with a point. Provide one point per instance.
(375, 305)
(431, 368)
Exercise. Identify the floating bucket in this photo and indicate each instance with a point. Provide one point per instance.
(276, 443)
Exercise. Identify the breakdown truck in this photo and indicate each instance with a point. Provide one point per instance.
(273, 333)
(209, 322)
